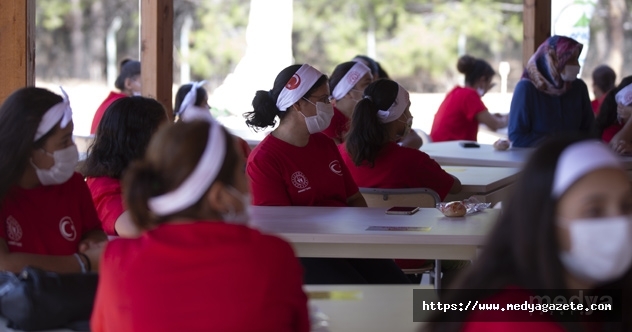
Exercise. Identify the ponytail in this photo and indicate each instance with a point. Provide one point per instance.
(265, 111)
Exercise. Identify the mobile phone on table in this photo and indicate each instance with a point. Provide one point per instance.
(402, 210)
(469, 144)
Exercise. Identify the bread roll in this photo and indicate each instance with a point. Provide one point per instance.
(454, 209)
(501, 145)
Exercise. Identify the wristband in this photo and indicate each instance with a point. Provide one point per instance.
(81, 264)
(88, 263)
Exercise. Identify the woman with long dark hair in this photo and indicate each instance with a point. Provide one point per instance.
(48, 218)
(567, 227)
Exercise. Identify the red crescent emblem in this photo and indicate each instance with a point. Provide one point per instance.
(294, 82)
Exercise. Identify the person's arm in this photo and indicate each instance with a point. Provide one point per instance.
(15, 262)
(125, 227)
(456, 186)
(356, 200)
(412, 140)
(520, 116)
(493, 121)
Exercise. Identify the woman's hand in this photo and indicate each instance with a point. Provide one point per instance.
(624, 112)
(622, 147)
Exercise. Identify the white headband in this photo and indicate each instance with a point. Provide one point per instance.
(189, 99)
(624, 96)
(580, 159)
(351, 78)
(297, 86)
(199, 181)
(60, 111)
(397, 109)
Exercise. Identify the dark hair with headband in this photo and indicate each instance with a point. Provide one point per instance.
(474, 69)
(200, 96)
(368, 135)
(171, 157)
(369, 62)
(339, 72)
(264, 104)
(123, 135)
(608, 110)
(20, 115)
(521, 250)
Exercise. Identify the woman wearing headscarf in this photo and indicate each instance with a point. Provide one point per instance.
(550, 100)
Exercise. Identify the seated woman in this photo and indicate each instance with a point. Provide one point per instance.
(612, 116)
(122, 137)
(462, 109)
(296, 165)
(371, 153)
(347, 83)
(187, 96)
(567, 227)
(550, 100)
(48, 218)
(198, 266)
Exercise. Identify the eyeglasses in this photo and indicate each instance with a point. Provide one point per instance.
(324, 99)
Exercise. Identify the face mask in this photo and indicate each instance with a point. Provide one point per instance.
(601, 249)
(232, 216)
(409, 125)
(480, 91)
(322, 119)
(65, 162)
(570, 73)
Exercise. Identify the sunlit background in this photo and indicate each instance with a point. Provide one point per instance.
(238, 46)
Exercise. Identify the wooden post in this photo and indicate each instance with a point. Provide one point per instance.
(157, 51)
(536, 20)
(17, 45)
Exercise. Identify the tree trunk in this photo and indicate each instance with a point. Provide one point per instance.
(77, 41)
(616, 12)
(97, 41)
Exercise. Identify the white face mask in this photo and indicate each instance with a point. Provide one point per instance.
(480, 91)
(322, 119)
(601, 248)
(65, 163)
(570, 73)
(241, 218)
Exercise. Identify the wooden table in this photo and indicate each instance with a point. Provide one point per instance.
(349, 232)
(365, 307)
(487, 184)
(452, 153)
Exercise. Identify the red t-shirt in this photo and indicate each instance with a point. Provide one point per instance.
(596, 104)
(609, 132)
(48, 220)
(113, 96)
(282, 174)
(456, 117)
(338, 127)
(400, 167)
(509, 320)
(108, 200)
(200, 276)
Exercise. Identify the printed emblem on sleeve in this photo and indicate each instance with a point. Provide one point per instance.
(334, 166)
(14, 231)
(67, 229)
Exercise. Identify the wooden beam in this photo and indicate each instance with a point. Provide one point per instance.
(17, 45)
(536, 20)
(157, 51)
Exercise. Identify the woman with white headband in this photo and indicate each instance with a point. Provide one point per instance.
(347, 83)
(567, 227)
(192, 269)
(187, 96)
(372, 154)
(611, 124)
(122, 137)
(296, 165)
(48, 219)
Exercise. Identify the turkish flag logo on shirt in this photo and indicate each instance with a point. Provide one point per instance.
(294, 82)
(67, 229)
